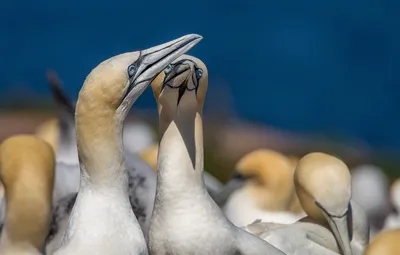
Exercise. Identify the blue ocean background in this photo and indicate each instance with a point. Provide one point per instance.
(306, 66)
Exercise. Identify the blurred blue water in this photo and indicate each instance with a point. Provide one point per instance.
(300, 65)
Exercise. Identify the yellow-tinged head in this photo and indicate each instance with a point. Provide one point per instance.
(323, 186)
(27, 172)
(385, 243)
(150, 156)
(270, 178)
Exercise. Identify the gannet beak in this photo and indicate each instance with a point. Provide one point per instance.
(236, 182)
(153, 60)
(339, 227)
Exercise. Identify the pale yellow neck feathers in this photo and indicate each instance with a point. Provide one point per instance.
(271, 176)
(97, 121)
(324, 179)
(49, 131)
(149, 155)
(27, 172)
(385, 243)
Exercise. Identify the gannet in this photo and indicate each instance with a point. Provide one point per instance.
(185, 219)
(392, 221)
(267, 191)
(322, 184)
(142, 180)
(27, 171)
(385, 243)
(370, 188)
(213, 185)
(102, 220)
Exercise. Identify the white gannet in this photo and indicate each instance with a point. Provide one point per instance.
(27, 171)
(267, 189)
(386, 242)
(213, 185)
(185, 219)
(392, 221)
(322, 184)
(102, 220)
(142, 180)
(370, 188)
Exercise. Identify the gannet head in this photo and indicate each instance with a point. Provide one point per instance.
(27, 172)
(181, 87)
(395, 194)
(386, 242)
(323, 185)
(269, 176)
(149, 155)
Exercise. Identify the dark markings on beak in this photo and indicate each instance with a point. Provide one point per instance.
(138, 62)
(182, 88)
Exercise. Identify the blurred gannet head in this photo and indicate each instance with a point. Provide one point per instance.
(323, 185)
(181, 88)
(385, 243)
(370, 189)
(27, 172)
(395, 194)
(49, 131)
(268, 176)
(149, 155)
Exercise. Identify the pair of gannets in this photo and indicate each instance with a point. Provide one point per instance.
(27, 171)
(102, 220)
(334, 224)
(264, 179)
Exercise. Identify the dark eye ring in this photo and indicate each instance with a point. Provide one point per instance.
(168, 69)
(199, 73)
(131, 70)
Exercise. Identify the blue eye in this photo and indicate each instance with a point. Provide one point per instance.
(131, 70)
(168, 69)
(199, 73)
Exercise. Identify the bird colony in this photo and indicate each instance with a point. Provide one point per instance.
(86, 183)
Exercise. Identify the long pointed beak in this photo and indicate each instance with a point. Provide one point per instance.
(156, 59)
(339, 227)
(236, 182)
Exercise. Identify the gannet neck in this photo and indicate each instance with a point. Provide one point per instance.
(180, 158)
(18, 231)
(99, 141)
